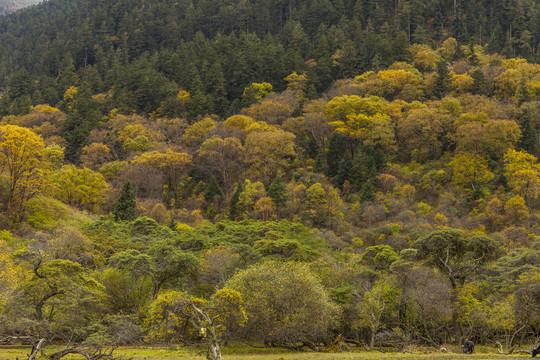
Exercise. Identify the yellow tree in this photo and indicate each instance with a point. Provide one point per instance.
(196, 133)
(523, 173)
(171, 163)
(82, 188)
(23, 162)
(8, 276)
(470, 171)
(268, 152)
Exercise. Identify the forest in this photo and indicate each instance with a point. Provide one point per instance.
(323, 175)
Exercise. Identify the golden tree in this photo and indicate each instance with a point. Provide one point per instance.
(23, 163)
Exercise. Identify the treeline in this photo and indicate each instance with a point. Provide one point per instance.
(142, 54)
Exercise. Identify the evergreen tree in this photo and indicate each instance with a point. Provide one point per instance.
(344, 171)
(495, 42)
(233, 206)
(213, 190)
(82, 117)
(278, 192)
(473, 58)
(442, 80)
(480, 85)
(522, 93)
(336, 149)
(125, 206)
(368, 192)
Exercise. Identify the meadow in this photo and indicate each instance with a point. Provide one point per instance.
(244, 353)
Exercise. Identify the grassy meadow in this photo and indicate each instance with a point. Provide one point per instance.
(245, 353)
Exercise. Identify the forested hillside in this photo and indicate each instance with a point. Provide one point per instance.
(295, 171)
(7, 6)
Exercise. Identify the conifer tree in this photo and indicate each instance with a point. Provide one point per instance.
(344, 170)
(368, 192)
(442, 81)
(336, 149)
(278, 192)
(480, 85)
(473, 58)
(233, 206)
(125, 206)
(212, 190)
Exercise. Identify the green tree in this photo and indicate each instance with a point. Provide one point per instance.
(457, 256)
(125, 206)
(480, 84)
(278, 192)
(285, 304)
(442, 80)
(234, 210)
(175, 316)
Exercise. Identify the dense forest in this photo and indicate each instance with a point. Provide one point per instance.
(316, 174)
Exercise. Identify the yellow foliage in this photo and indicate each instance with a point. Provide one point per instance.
(195, 134)
(82, 188)
(45, 109)
(239, 121)
(424, 58)
(22, 160)
(9, 276)
(183, 96)
(70, 94)
(462, 83)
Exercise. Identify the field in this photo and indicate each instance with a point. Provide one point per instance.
(244, 353)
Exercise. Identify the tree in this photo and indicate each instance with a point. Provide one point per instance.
(164, 263)
(222, 158)
(178, 316)
(285, 304)
(278, 192)
(82, 188)
(480, 84)
(233, 205)
(268, 152)
(54, 280)
(22, 160)
(125, 206)
(442, 80)
(378, 302)
(523, 173)
(170, 163)
(456, 256)
(9, 277)
(470, 171)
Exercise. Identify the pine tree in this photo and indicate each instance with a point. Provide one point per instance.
(496, 39)
(442, 80)
(480, 85)
(125, 206)
(278, 192)
(522, 93)
(336, 149)
(212, 190)
(344, 171)
(473, 58)
(233, 206)
(368, 192)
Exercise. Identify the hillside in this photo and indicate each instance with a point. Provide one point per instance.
(8, 6)
(288, 184)
(215, 48)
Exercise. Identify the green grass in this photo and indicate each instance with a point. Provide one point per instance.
(247, 353)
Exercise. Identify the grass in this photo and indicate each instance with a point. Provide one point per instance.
(247, 353)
